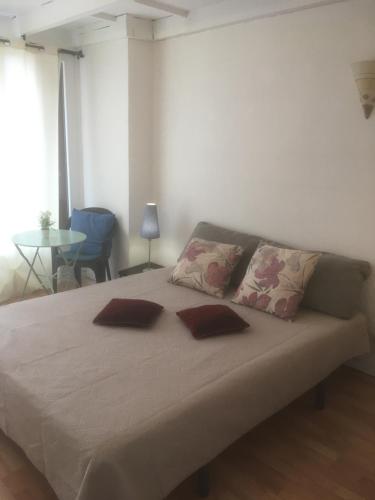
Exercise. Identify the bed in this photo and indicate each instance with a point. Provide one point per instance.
(113, 413)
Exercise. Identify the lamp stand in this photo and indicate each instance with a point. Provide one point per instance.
(148, 267)
(149, 253)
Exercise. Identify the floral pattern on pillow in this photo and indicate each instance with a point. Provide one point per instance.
(206, 266)
(276, 280)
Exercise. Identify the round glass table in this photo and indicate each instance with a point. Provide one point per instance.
(56, 240)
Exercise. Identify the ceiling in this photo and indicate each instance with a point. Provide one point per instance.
(12, 8)
(17, 7)
(76, 19)
(121, 7)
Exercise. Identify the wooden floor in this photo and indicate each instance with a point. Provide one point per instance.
(298, 454)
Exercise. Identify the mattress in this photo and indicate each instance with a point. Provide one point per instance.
(124, 413)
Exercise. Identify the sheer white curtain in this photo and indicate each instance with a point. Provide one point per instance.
(28, 153)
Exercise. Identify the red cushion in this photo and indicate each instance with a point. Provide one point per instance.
(205, 321)
(128, 312)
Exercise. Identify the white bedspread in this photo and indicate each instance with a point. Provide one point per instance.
(120, 413)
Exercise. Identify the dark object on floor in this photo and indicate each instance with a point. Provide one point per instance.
(320, 395)
(203, 482)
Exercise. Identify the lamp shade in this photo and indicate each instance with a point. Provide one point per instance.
(150, 225)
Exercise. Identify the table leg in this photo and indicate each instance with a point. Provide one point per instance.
(55, 270)
(58, 252)
(46, 274)
(67, 262)
(70, 263)
(31, 269)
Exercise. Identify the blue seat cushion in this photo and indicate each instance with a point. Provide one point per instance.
(97, 228)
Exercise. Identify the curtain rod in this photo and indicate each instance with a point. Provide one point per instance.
(76, 53)
(35, 46)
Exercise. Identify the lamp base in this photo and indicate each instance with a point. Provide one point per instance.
(148, 267)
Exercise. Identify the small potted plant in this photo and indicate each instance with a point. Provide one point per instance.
(45, 220)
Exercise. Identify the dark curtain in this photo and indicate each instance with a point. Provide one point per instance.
(63, 166)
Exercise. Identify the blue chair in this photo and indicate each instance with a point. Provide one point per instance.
(99, 225)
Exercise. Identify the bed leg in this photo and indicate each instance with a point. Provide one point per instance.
(203, 482)
(320, 395)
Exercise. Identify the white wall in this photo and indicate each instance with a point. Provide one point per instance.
(7, 29)
(72, 84)
(117, 119)
(104, 82)
(140, 138)
(258, 127)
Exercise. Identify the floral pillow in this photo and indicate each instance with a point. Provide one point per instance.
(276, 280)
(206, 266)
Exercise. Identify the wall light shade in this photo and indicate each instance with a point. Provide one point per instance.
(150, 225)
(364, 75)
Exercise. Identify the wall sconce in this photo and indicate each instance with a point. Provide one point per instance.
(364, 75)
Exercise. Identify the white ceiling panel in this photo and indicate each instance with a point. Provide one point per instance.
(192, 4)
(18, 7)
(21, 7)
(136, 9)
